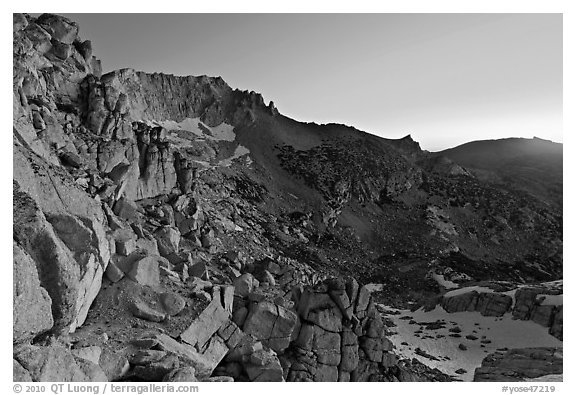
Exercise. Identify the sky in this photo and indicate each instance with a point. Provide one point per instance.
(446, 79)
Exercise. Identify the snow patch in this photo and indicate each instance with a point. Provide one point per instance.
(180, 133)
(556, 283)
(222, 132)
(548, 378)
(464, 290)
(238, 153)
(550, 300)
(500, 331)
(374, 287)
(439, 278)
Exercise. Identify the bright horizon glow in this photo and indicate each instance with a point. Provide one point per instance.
(446, 79)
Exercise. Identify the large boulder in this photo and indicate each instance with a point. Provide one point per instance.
(462, 302)
(168, 239)
(56, 363)
(19, 22)
(320, 309)
(39, 37)
(185, 374)
(557, 327)
(245, 284)
(186, 353)
(325, 344)
(146, 271)
(114, 365)
(31, 304)
(520, 364)
(69, 249)
(126, 209)
(60, 28)
(157, 370)
(142, 310)
(493, 304)
(525, 300)
(206, 324)
(19, 374)
(264, 366)
(272, 324)
(172, 303)
(543, 315)
(341, 338)
(350, 356)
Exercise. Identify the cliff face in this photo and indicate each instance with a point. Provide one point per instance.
(171, 227)
(55, 223)
(165, 97)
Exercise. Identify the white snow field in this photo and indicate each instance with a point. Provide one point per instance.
(222, 132)
(464, 290)
(502, 332)
(194, 129)
(374, 287)
(554, 300)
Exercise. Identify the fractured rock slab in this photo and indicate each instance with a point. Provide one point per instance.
(206, 324)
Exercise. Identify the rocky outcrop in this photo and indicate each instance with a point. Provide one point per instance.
(443, 165)
(50, 62)
(160, 97)
(462, 302)
(58, 225)
(124, 110)
(342, 336)
(63, 230)
(56, 363)
(557, 327)
(328, 331)
(31, 304)
(527, 304)
(272, 324)
(68, 113)
(520, 364)
(341, 173)
(221, 342)
(491, 304)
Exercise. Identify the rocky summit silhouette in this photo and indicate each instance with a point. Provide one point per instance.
(174, 228)
(530, 165)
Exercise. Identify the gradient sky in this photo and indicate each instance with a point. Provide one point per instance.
(445, 79)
